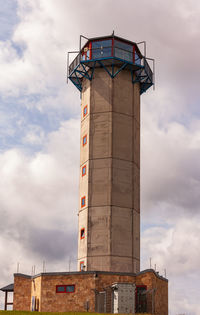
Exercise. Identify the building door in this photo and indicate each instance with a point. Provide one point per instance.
(101, 302)
(141, 299)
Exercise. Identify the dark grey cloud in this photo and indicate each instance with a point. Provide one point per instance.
(53, 245)
(39, 242)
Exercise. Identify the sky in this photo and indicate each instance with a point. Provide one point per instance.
(40, 129)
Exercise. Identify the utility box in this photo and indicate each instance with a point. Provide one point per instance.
(123, 297)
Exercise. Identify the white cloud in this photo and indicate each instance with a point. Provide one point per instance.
(39, 205)
(35, 136)
(170, 168)
(175, 248)
(170, 201)
(39, 194)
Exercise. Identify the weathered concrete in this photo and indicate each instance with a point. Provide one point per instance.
(112, 184)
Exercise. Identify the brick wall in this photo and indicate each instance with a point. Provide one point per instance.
(22, 293)
(105, 280)
(64, 302)
(160, 292)
(43, 287)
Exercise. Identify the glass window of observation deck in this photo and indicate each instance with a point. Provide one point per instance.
(123, 50)
(101, 49)
(85, 55)
(137, 59)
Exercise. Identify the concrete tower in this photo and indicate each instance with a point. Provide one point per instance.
(111, 74)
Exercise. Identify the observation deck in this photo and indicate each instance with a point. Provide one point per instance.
(114, 54)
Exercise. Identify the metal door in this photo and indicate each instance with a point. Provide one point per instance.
(101, 302)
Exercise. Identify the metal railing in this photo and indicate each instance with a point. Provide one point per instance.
(105, 52)
(148, 70)
(74, 63)
(146, 74)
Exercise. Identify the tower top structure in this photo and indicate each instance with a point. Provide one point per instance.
(114, 54)
(111, 73)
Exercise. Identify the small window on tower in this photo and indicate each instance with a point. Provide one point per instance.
(82, 266)
(84, 170)
(83, 202)
(85, 111)
(84, 140)
(82, 233)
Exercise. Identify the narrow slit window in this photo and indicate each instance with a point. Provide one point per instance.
(83, 202)
(137, 59)
(85, 111)
(84, 140)
(82, 266)
(82, 233)
(84, 170)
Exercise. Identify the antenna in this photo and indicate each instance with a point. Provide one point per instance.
(18, 267)
(150, 262)
(44, 266)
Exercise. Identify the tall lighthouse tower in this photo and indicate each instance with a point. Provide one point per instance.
(111, 73)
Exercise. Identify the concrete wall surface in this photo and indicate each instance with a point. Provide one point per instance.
(111, 185)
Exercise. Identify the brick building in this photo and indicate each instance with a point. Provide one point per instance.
(88, 291)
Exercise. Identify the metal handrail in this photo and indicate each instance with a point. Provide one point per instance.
(74, 63)
(148, 69)
(80, 56)
(147, 73)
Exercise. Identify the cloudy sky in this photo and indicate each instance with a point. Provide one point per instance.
(39, 135)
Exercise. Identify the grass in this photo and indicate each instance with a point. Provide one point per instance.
(43, 313)
(50, 313)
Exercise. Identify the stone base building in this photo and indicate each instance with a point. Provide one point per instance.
(91, 291)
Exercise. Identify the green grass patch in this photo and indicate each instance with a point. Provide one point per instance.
(43, 313)
(52, 313)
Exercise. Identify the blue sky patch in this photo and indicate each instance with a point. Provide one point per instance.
(17, 121)
(8, 18)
